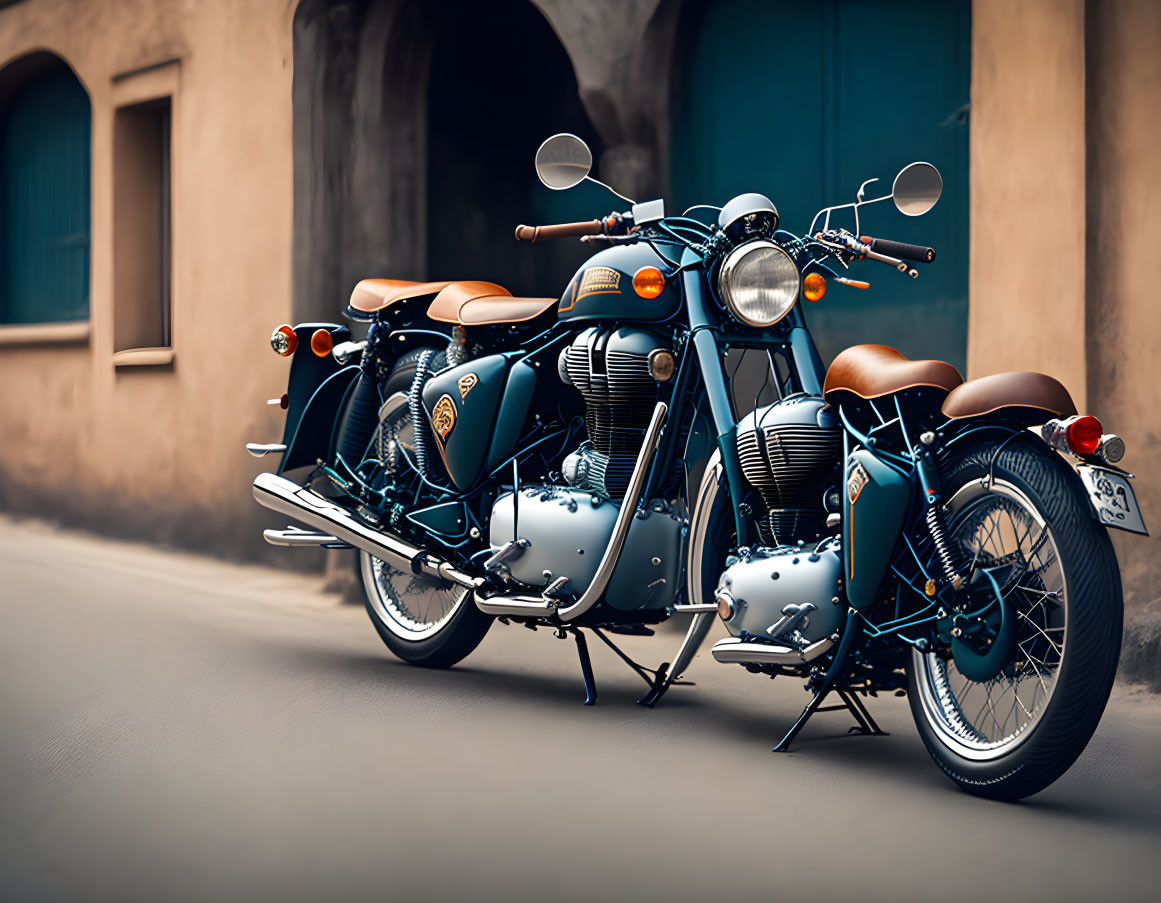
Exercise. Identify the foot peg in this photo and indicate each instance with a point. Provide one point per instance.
(297, 538)
(509, 552)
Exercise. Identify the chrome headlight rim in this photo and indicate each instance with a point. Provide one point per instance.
(726, 276)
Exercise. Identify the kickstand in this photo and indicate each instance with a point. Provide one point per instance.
(656, 679)
(586, 663)
(866, 724)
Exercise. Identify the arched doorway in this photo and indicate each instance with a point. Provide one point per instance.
(44, 192)
(818, 98)
(500, 84)
(416, 125)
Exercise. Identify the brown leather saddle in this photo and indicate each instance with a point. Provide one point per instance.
(876, 371)
(467, 303)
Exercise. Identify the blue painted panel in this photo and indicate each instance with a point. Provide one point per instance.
(802, 102)
(44, 202)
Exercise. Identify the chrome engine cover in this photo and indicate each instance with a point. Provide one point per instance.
(567, 531)
(761, 583)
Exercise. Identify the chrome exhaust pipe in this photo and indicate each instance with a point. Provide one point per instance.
(738, 652)
(288, 498)
(545, 606)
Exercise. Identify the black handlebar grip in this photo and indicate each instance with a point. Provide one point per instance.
(900, 249)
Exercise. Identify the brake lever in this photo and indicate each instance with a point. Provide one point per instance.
(630, 239)
(862, 250)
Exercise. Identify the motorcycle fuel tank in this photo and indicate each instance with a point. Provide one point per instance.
(602, 289)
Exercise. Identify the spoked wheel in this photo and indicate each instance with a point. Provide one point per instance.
(1012, 730)
(423, 620)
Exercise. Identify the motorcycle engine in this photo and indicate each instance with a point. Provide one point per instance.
(784, 589)
(564, 529)
(610, 368)
(565, 532)
(789, 451)
(789, 594)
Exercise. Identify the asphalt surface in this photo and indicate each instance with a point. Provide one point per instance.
(175, 728)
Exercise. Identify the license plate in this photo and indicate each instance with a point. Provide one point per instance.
(1112, 499)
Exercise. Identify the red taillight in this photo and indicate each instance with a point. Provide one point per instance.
(1084, 435)
(321, 343)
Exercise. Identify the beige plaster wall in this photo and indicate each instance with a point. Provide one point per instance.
(1066, 193)
(1027, 190)
(153, 451)
(1124, 304)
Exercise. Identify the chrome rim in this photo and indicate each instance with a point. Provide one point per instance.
(411, 606)
(987, 720)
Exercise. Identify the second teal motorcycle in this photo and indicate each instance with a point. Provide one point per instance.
(580, 463)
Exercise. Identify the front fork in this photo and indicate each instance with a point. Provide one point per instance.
(805, 362)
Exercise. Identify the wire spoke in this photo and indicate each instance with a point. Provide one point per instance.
(997, 529)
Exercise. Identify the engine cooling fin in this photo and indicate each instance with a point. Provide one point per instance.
(788, 452)
(611, 371)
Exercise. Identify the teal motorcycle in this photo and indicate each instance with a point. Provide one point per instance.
(582, 463)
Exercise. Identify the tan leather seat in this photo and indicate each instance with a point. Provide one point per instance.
(484, 303)
(1019, 389)
(371, 295)
(872, 371)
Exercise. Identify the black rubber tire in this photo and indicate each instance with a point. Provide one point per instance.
(463, 633)
(1095, 615)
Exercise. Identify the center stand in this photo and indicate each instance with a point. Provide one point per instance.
(657, 679)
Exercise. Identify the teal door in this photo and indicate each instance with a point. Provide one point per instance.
(803, 102)
(44, 201)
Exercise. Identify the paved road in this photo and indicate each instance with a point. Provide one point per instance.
(173, 728)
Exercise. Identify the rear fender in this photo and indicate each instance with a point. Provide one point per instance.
(314, 435)
(308, 373)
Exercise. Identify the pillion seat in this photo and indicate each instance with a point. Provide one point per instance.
(466, 303)
(875, 371)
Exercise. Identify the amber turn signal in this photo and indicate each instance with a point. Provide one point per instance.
(321, 343)
(648, 282)
(284, 341)
(814, 286)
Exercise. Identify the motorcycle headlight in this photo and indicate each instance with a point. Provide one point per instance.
(759, 283)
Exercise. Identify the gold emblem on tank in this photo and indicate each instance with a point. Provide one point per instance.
(599, 281)
(443, 416)
(467, 382)
(855, 483)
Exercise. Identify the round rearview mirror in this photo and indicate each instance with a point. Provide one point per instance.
(917, 188)
(563, 161)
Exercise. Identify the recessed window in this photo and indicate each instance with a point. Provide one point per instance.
(44, 196)
(142, 226)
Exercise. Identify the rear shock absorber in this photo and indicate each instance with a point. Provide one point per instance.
(954, 568)
(950, 559)
(415, 406)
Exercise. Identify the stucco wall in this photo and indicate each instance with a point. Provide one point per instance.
(1028, 190)
(1065, 190)
(157, 452)
(1124, 311)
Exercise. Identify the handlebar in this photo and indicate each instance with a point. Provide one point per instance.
(900, 249)
(560, 230)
